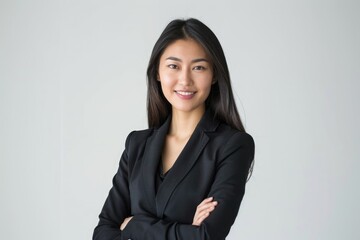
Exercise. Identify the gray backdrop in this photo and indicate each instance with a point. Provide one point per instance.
(72, 86)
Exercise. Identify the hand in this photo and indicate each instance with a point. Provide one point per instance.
(125, 222)
(203, 210)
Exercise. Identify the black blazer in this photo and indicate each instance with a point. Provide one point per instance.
(214, 163)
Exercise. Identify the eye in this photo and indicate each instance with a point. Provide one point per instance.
(172, 66)
(199, 68)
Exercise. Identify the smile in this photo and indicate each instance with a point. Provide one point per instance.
(185, 93)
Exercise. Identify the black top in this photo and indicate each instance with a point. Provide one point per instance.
(214, 163)
(160, 176)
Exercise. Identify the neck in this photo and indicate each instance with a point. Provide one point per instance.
(183, 124)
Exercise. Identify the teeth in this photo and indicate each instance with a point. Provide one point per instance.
(185, 93)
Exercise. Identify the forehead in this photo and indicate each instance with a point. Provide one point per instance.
(184, 49)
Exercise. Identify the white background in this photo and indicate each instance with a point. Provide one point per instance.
(72, 86)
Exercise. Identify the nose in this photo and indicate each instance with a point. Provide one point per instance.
(185, 78)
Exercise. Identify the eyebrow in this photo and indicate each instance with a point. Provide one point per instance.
(193, 61)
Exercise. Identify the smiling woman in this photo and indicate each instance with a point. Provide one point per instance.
(186, 77)
(185, 176)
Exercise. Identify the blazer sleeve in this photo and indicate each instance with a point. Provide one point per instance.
(228, 189)
(117, 204)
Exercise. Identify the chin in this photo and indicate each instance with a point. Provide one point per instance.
(187, 109)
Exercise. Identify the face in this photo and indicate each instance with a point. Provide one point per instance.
(186, 76)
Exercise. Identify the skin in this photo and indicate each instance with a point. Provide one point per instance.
(186, 76)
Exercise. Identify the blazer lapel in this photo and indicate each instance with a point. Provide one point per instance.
(185, 161)
(152, 155)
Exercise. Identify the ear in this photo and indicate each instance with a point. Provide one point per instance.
(158, 77)
(213, 81)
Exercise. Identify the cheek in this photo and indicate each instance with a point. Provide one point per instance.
(206, 83)
(167, 81)
(166, 86)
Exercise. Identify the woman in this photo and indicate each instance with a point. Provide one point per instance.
(184, 177)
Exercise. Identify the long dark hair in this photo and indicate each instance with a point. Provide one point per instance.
(220, 100)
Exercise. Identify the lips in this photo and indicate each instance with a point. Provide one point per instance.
(185, 93)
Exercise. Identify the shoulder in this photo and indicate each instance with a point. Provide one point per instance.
(229, 135)
(222, 133)
(231, 140)
(137, 137)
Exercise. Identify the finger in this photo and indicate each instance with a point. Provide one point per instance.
(207, 208)
(199, 220)
(199, 214)
(203, 210)
(206, 200)
(203, 215)
(202, 218)
(206, 211)
(125, 222)
(206, 205)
